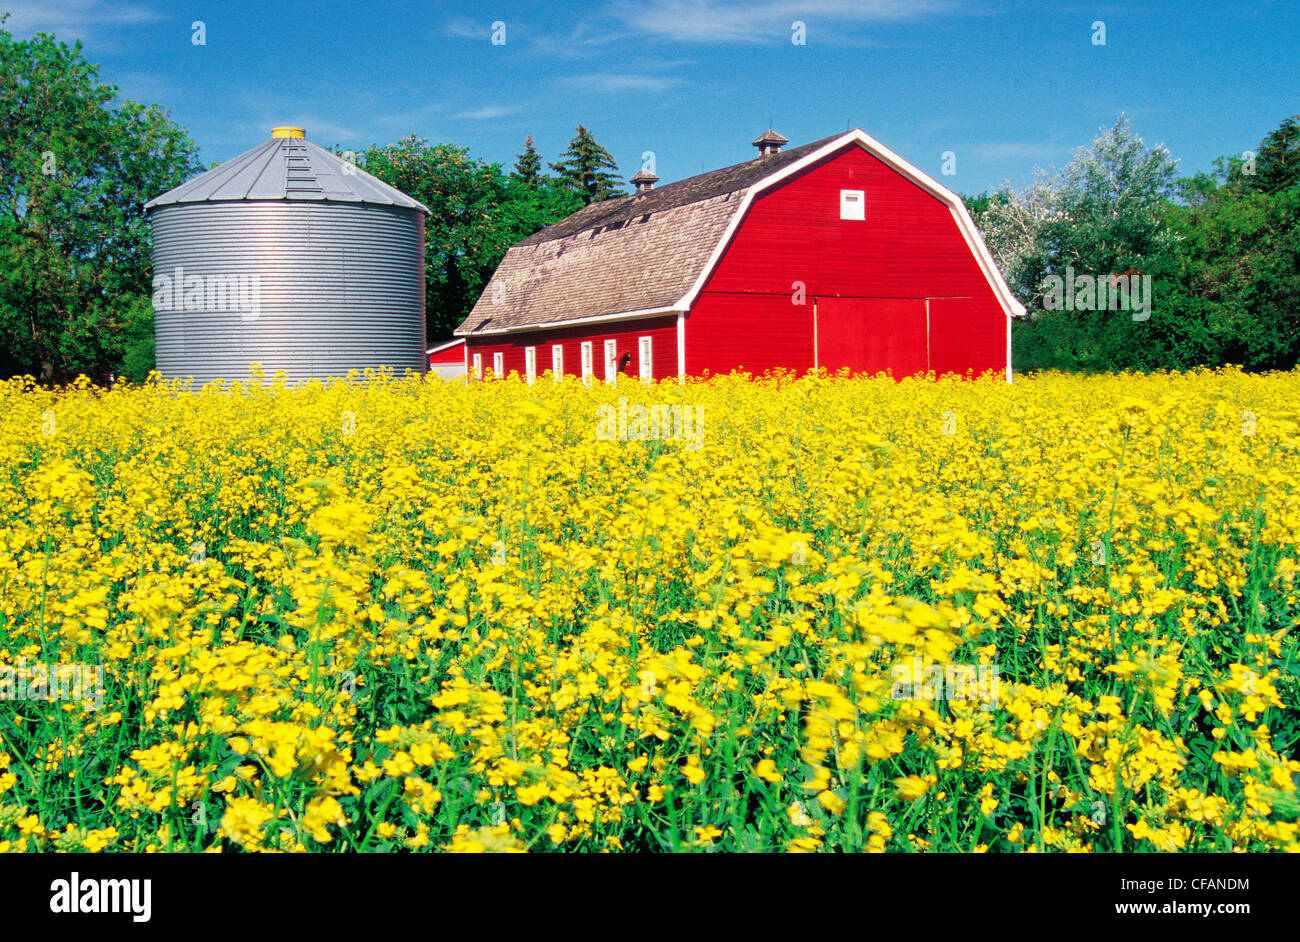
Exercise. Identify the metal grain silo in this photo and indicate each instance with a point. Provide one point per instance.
(291, 257)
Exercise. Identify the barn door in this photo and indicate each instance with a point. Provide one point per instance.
(959, 341)
(872, 335)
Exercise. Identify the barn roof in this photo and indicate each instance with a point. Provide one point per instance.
(609, 213)
(648, 254)
(286, 168)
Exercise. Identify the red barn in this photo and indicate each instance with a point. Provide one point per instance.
(833, 254)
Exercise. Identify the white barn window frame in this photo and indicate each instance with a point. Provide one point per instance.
(498, 365)
(557, 361)
(853, 204)
(478, 366)
(587, 365)
(530, 364)
(611, 362)
(645, 358)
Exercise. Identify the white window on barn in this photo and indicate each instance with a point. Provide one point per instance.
(557, 361)
(611, 361)
(643, 359)
(498, 365)
(587, 368)
(530, 364)
(478, 366)
(853, 204)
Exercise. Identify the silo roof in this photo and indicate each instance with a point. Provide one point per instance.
(286, 168)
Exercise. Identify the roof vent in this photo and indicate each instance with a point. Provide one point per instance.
(288, 132)
(769, 142)
(644, 180)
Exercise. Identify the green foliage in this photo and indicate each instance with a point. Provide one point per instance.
(1240, 243)
(137, 340)
(585, 168)
(1109, 211)
(475, 214)
(1222, 250)
(77, 165)
(1014, 226)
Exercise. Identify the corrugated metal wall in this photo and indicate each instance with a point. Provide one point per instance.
(320, 288)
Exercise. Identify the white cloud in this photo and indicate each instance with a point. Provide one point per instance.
(727, 21)
(88, 20)
(615, 82)
(488, 112)
(462, 27)
(582, 41)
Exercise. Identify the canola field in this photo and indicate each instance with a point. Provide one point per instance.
(777, 614)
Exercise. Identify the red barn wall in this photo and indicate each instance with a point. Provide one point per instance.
(908, 247)
(663, 347)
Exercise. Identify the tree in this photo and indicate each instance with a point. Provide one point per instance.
(475, 214)
(1239, 238)
(1105, 215)
(528, 165)
(1277, 164)
(585, 168)
(1111, 204)
(77, 165)
(1014, 225)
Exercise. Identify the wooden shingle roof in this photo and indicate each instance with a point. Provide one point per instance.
(630, 254)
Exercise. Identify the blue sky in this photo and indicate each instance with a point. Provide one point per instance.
(1005, 86)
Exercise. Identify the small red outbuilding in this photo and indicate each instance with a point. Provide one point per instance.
(833, 254)
(448, 359)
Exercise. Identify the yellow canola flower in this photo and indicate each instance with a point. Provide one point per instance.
(912, 787)
(458, 602)
(766, 770)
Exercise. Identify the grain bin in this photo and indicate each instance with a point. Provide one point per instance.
(291, 257)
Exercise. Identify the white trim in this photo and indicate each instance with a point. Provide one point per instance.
(1008, 349)
(965, 225)
(645, 358)
(530, 364)
(596, 319)
(498, 365)
(466, 364)
(448, 344)
(816, 352)
(587, 354)
(611, 361)
(478, 366)
(927, 335)
(557, 361)
(681, 347)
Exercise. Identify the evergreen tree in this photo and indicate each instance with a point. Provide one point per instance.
(585, 168)
(1278, 162)
(528, 165)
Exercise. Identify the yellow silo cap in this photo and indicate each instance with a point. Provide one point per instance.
(288, 132)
